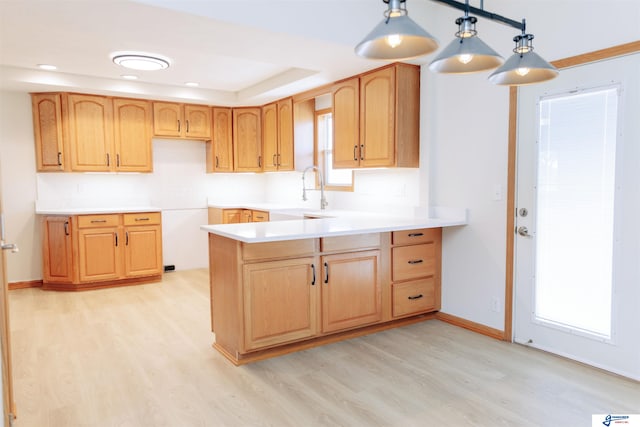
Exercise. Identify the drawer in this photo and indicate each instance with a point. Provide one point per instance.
(411, 262)
(410, 237)
(345, 243)
(142, 218)
(276, 250)
(414, 297)
(259, 216)
(93, 221)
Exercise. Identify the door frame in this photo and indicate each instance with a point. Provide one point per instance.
(598, 55)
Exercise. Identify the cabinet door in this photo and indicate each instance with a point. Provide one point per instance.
(377, 118)
(351, 290)
(143, 250)
(285, 135)
(247, 139)
(48, 131)
(90, 132)
(132, 121)
(270, 137)
(57, 249)
(99, 254)
(246, 215)
(280, 301)
(197, 121)
(346, 131)
(220, 149)
(232, 216)
(168, 119)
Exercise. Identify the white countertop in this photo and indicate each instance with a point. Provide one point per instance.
(343, 224)
(93, 210)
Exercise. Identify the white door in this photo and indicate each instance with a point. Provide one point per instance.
(5, 341)
(577, 278)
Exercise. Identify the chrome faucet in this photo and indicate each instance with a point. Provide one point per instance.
(323, 200)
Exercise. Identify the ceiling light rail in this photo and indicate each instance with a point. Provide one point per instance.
(398, 37)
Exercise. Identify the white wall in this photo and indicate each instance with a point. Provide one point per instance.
(465, 129)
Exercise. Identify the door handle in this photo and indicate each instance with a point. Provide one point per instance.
(10, 247)
(523, 231)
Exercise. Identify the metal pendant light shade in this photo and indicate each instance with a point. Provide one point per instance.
(396, 37)
(524, 66)
(466, 55)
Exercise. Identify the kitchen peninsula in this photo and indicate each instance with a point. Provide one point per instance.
(283, 286)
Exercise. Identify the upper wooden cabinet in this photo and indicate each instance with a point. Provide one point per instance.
(277, 135)
(132, 135)
(182, 120)
(220, 149)
(75, 132)
(247, 139)
(346, 122)
(90, 122)
(48, 131)
(377, 119)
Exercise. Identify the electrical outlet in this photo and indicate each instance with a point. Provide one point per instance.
(495, 305)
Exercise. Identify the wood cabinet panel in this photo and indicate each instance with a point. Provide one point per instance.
(90, 122)
(270, 137)
(280, 302)
(346, 243)
(168, 119)
(98, 220)
(346, 124)
(142, 218)
(99, 255)
(411, 237)
(48, 131)
(259, 216)
(132, 121)
(57, 249)
(220, 149)
(283, 249)
(351, 290)
(414, 297)
(198, 121)
(143, 250)
(410, 262)
(285, 135)
(247, 139)
(377, 118)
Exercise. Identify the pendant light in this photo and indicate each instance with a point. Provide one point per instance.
(524, 66)
(467, 53)
(396, 37)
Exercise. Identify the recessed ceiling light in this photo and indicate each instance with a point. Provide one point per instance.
(140, 61)
(47, 67)
(129, 77)
(192, 84)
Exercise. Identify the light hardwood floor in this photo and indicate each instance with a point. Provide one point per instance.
(141, 356)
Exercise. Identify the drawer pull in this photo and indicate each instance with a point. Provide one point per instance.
(94, 221)
(415, 261)
(143, 219)
(415, 234)
(415, 297)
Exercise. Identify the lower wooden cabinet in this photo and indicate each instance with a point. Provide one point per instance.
(415, 271)
(280, 300)
(271, 298)
(351, 290)
(90, 251)
(236, 215)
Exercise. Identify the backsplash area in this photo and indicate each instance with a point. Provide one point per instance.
(181, 188)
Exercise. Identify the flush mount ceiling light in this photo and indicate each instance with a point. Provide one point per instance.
(397, 36)
(466, 54)
(140, 61)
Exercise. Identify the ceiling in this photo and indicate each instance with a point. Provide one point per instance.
(240, 51)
